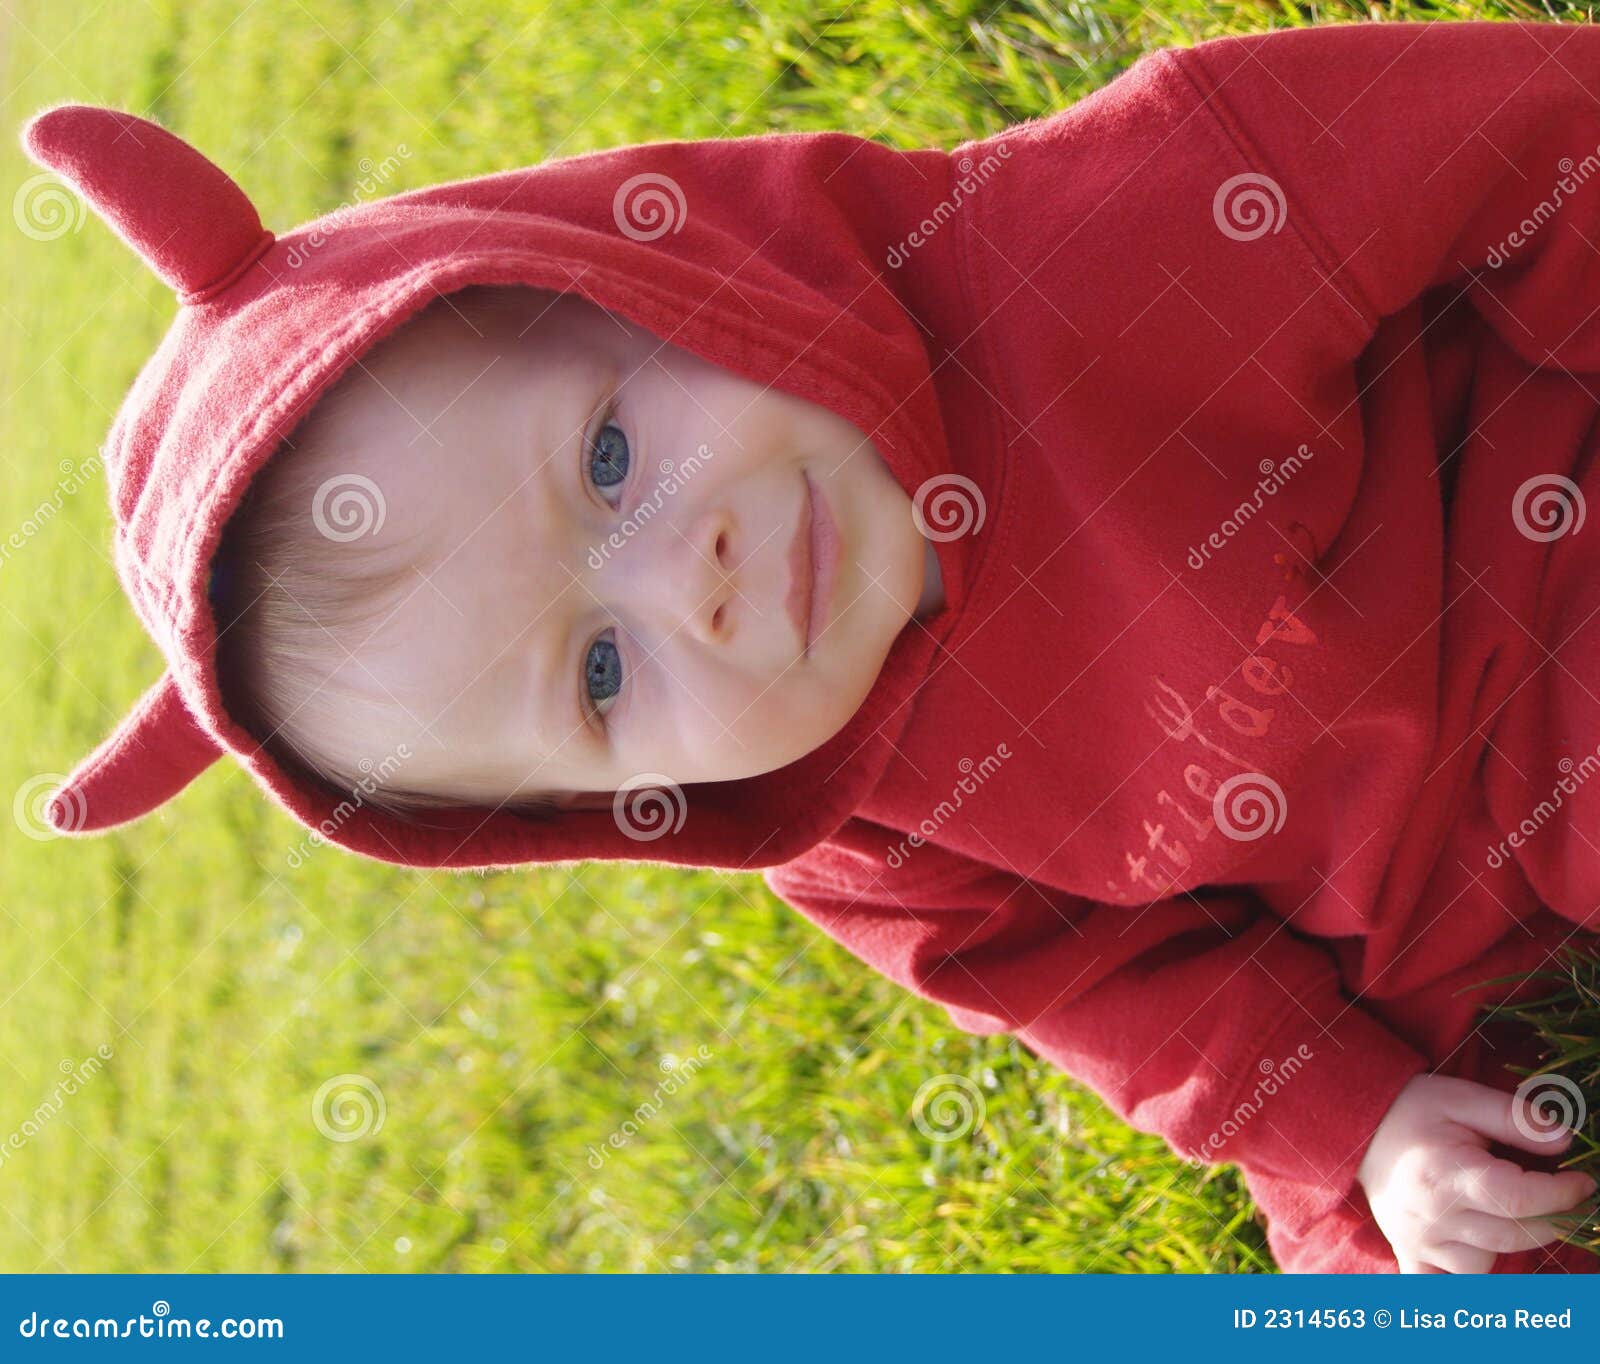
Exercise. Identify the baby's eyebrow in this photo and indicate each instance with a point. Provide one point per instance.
(586, 395)
(555, 693)
(530, 697)
(568, 715)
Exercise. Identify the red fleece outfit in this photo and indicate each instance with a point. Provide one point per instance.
(1249, 402)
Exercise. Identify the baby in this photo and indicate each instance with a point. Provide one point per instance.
(488, 615)
(1120, 576)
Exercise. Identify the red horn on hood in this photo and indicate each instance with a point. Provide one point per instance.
(151, 756)
(188, 221)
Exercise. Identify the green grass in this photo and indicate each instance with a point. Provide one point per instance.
(511, 1022)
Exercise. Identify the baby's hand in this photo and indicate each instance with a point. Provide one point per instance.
(1445, 1204)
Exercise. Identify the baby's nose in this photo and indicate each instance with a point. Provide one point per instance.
(707, 584)
(681, 576)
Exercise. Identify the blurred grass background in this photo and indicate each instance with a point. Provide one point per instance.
(511, 1023)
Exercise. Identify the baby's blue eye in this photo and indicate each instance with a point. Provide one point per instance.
(608, 459)
(602, 671)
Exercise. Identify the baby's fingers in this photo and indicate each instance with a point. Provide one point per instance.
(1502, 1188)
(1452, 1257)
(1511, 1119)
(1488, 1232)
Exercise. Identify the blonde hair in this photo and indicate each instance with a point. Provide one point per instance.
(286, 594)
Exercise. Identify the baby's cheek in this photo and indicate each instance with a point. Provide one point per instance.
(736, 714)
(728, 705)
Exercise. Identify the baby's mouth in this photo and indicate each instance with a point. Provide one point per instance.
(798, 601)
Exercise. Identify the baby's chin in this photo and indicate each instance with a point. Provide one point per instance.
(821, 727)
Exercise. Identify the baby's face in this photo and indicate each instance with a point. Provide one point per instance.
(610, 532)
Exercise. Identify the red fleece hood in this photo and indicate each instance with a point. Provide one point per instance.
(765, 255)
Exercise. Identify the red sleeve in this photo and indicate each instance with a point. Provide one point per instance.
(1411, 155)
(1202, 1018)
